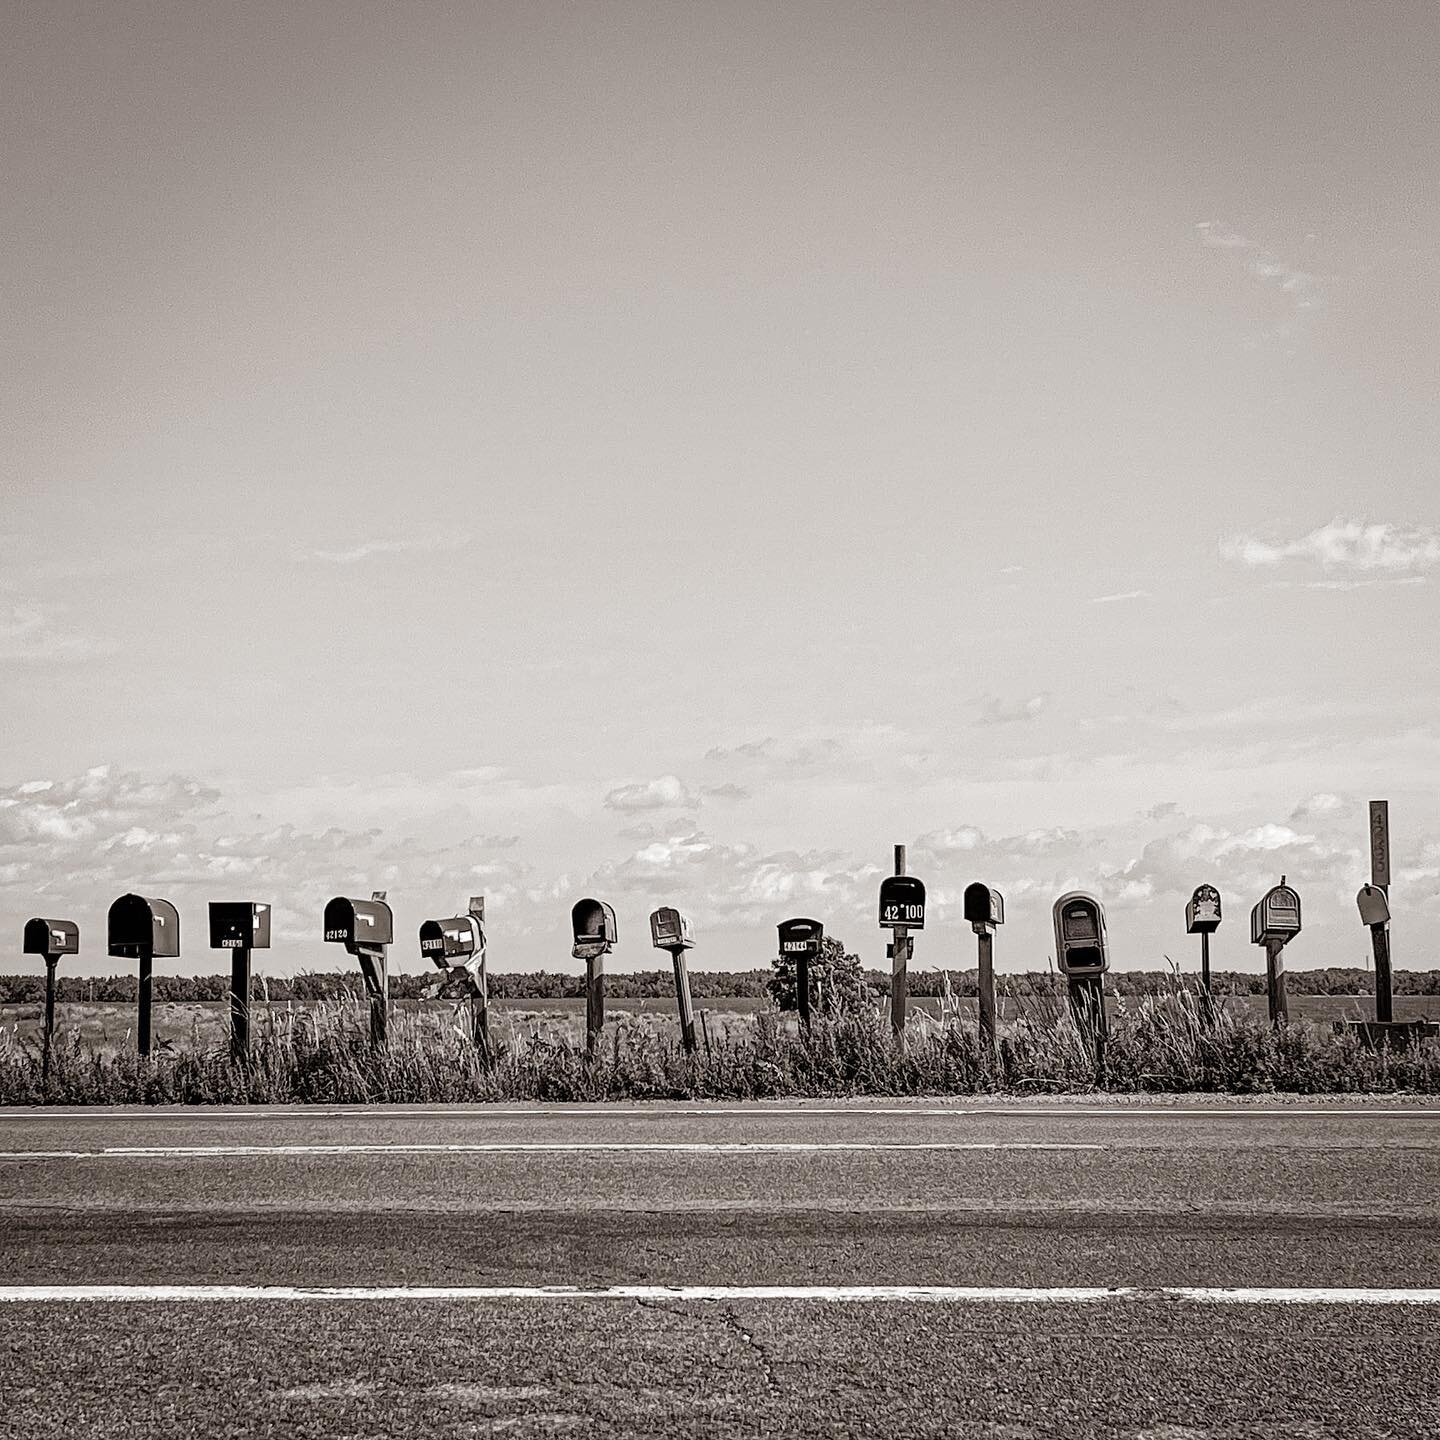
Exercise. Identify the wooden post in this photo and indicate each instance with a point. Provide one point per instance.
(682, 999)
(594, 1001)
(986, 939)
(50, 963)
(480, 1010)
(899, 960)
(240, 1004)
(1380, 934)
(1275, 982)
(142, 1029)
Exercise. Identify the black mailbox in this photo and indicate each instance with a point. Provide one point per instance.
(592, 922)
(902, 903)
(139, 927)
(801, 937)
(357, 924)
(1080, 944)
(1202, 914)
(984, 908)
(452, 941)
(239, 925)
(52, 938)
(1276, 917)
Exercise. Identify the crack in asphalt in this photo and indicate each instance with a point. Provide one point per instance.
(732, 1324)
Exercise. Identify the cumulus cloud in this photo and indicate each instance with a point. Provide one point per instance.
(1344, 545)
(995, 711)
(667, 792)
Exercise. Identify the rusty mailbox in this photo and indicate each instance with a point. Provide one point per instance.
(592, 926)
(670, 930)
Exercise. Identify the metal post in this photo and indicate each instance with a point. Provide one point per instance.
(50, 963)
(682, 999)
(1384, 988)
(986, 940)
(142, 1029)
(802, 987)
(1275, 982)
(899, 959)
(1205, 963)
(240, 1004)
(594, 1001)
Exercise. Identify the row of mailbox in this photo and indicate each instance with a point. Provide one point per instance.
(140, 926)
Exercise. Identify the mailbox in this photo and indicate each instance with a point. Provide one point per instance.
(984, 908)
(357, 923)
(670, 930)
(52, 938)
(1202, 914)
(239, 925)
(1374, 906)
(592, 922)
(139, 927)
(451, 942)
(1276, 917)
(902, 903)
(1080, 944)
(801, 937)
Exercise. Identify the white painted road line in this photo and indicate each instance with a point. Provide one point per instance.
(834, 1294)
(656, 1147)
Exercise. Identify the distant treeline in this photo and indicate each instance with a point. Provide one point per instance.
(704, 985)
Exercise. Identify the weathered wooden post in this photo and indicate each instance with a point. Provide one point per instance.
(366, 928)
(670, 930)
(592, 923)
(1083, 954)
(457, 948)
(902, 909)
(1274, 922)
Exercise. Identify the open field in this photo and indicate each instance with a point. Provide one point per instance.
(205, 1024)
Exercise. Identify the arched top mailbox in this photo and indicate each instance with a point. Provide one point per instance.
(52, 938)
(1374, 906)
(1276, 917)
(984, 907)
(592, 924)
(670, 930)
(452, 941)
(1202, 913)
(138, 926)
(1081, 947)
(356, 923)
(801, 937)
(239, 925)
(902, 903)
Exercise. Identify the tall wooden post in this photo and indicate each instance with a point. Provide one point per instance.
(682, 1000)
(240, 1004)
(1380, 934)
(899, 961)
(594, 1001)
(1275, 982)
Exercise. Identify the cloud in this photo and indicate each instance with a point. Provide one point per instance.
(1122, 595)
(1301, 286)
(1343, 545)
(665, 793)
(29, 634)
(994, 711)
(727, 791)
(414, 545)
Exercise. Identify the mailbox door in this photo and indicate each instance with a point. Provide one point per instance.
(1080, 947)
(592, 922)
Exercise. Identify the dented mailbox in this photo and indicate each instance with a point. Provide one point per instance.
(138, 927)
(592, 925)
(51, 938)
(670, 930)
(1081, 947)
(239, 925)
(1374, 906)
(451, 942)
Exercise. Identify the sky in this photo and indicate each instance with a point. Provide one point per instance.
(676, 452)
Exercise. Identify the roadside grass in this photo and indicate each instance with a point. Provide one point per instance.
(322, 1054)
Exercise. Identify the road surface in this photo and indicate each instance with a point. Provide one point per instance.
(1156, 1271)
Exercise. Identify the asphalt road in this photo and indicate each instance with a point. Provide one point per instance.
(1138, 1199)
